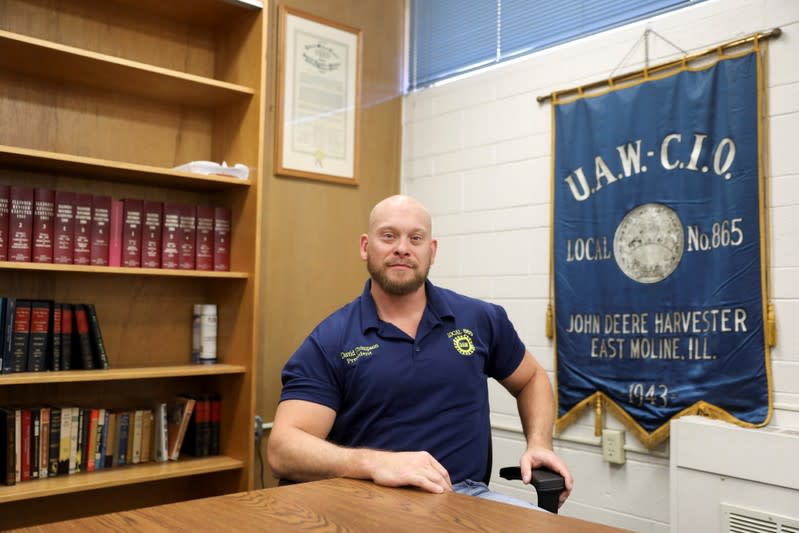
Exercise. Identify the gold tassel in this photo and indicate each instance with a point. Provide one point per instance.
(598, 417)
(771, 325)
(548, 330)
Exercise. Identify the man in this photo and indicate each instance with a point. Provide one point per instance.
(393, 386)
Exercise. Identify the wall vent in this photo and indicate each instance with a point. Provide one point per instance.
(742, 520)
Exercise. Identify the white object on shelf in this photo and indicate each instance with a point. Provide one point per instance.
(209, 167)
(247, 3)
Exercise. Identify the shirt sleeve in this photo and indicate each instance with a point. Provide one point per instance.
(507, 349)
(309, 375)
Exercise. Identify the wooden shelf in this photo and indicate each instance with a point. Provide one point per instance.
(119, 374)
(117, 476)
(39, 160)
(87, 269)
(105, 102)
(61, 63)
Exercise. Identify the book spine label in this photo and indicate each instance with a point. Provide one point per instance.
(204, 239)
(115, 234)
(20, 224)
(221, 239)
(170, 237)
(151, 234)
(132, 233)
(64, 232)
(5, 191)
(82, 253)
(99, 238)
(43, 207)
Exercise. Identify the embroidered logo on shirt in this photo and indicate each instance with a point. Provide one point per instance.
(359, 351)
(462, 341)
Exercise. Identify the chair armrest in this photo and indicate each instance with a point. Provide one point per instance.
(548, 485)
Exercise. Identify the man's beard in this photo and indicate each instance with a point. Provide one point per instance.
(379, 273)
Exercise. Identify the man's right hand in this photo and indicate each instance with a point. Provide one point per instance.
(398, 469)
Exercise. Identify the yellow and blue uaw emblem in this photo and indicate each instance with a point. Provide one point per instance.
(462, 341)
(463, 344)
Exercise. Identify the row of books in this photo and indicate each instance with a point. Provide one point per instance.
(41, 442)
(43, 225)
(39, 335)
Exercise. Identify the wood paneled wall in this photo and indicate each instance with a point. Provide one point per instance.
(311, 228)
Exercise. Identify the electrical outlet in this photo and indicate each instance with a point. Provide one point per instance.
(613, 446)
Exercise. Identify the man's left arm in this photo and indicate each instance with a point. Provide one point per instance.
(530, 385)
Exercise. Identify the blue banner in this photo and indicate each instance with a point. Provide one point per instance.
(657, 251)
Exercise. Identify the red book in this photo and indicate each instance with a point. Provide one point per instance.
(100, 235)
(188, 230)
(115, 234)
(204, 240)
(5, 190)
(132, 233)
(64, 233)
(152, 220)
(82, 254)
(215, 416)
(66, 336)
(55, 338)
(221, 239)
(84, 344)
(25, 444)
(170, 236)
(20, 223)
(43, 203)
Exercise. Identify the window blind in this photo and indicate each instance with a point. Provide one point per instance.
(452, 37)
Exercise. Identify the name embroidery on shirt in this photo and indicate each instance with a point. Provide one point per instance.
(359, 351)
(462, 341)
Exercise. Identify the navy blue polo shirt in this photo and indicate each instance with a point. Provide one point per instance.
(393, 392)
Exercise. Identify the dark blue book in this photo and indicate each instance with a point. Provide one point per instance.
(8, 333)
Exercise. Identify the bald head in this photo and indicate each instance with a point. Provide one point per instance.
(403, 207)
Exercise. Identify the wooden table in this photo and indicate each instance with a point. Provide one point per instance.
(331, 505)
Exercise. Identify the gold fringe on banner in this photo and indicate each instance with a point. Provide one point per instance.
(771, 325)
(550, 326)
(598, 416)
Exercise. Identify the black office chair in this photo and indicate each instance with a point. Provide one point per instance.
(548, 484)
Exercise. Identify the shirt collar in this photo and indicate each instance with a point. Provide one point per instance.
(436, 304)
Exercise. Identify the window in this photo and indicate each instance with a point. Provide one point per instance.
(452, 37)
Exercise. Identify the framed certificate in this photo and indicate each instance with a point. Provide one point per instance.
(318, 98)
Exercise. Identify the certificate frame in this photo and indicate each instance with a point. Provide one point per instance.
(317, 117)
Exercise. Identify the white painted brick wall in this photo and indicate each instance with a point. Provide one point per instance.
(477, 152)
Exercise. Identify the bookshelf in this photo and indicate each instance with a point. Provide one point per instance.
(108, 101)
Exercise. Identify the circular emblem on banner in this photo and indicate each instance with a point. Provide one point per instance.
(649, 243)
(464, 344)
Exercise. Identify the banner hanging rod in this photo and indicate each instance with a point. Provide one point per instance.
(613, 80)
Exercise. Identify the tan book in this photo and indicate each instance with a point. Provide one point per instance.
(178, 417)
(146, 436)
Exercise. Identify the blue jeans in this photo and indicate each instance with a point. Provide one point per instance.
(479, 489)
